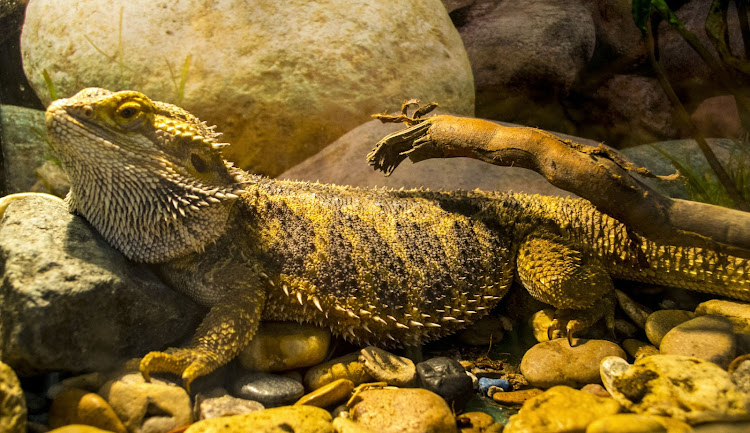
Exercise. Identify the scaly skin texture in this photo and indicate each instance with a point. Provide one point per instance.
(382, 267)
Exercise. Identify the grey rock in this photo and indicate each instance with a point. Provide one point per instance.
(270, 390)
(226, 405)
(521, 52)
(447, 378)
(69, 301)
(24, 148)
(51, 179)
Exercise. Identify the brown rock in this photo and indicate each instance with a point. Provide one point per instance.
(280, 346)
(343, 367)
(717, 117)
(328, 395)
(660, 322)
(737, 312)
(513, 398)
(297, 419)
(705, 337)
(403, 410)
(478, 422)
(555, 362)
(77, 406)
(384, 366)
(78, 428)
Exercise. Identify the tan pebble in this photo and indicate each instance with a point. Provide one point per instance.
(387, 367)
(346, 425)
(636, 423)
(706, 337)
(78, 406)
(280, 346)
(637, 312)
(660, 322)
(737, 312)
(343, 367)
(565, 408)
(596, 389)
(516, 397)
(477, 422)
(328, 395)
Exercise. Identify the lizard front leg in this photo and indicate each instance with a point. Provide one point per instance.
(228, 327)
(555, 272)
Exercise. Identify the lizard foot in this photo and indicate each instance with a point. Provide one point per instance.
(187, 363)
(568, 322)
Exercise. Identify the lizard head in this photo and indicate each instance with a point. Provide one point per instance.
(148, 175)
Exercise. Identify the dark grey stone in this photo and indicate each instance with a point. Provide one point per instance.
(69, 301)
(447, 378)
(268, 389)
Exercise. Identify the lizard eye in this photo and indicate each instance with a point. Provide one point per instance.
(129, 115)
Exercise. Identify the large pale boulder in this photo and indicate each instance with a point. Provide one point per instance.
(280, 79)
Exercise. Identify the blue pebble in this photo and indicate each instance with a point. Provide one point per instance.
(485, 383)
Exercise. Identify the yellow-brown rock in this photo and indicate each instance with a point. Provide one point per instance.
(280, 346)
(328, 395)
(78, 428)
(516, 398)
(560, 409)
(78, 406)
(140, 405)
(12, 402)
(297, 419)
(635, 423)
(343, 367)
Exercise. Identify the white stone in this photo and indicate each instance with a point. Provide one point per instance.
(280, 79)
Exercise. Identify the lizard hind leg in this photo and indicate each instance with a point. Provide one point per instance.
(554, 271)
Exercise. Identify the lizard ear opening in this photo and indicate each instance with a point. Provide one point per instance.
(198, 163)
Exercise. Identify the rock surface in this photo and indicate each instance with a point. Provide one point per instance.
(280, 346)
(634, 423)
(226, 405)
(706, 337)
(69, 301)
(659, 323)
(402, 410)
(328, 395)
(298, 419)
(12, 403)
(682, 387)
(555, 362)
(384, 366)
(154, 406)
(343, 367)
(24, 149)
(737, 312)
(77, 406)
(560, 409)
(520, 52)
(280, 80)
(268, 389)
(447, 378)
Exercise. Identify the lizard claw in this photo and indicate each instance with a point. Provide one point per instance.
(187, 363)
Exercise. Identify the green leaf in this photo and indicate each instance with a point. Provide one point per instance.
(641, 13)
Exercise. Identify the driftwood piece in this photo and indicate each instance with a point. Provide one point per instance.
(598, 174)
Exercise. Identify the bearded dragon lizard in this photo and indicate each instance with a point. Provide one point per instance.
(377, 266)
